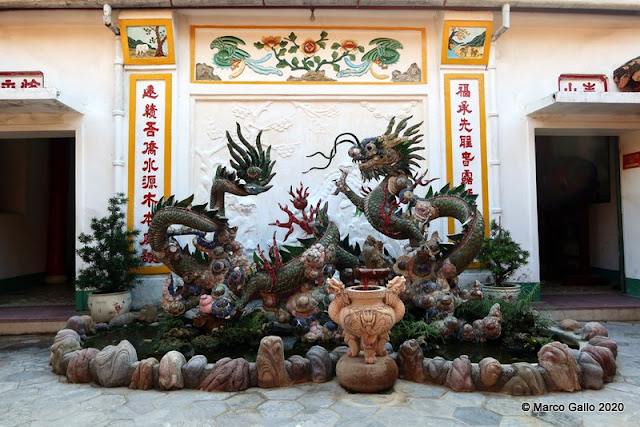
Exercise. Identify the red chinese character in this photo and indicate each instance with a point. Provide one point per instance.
(570, 88)
(150, 148)
(467, 177)
(148, 199)
(8, 84)
(589, 87)
(26, 83)
(146, 219)
(466, 158)
(145, 239)
(464, 108)
(470, 191)
(149, 181)
(466, 125)
(149, 166)
(148, 257)
(150, 130)
(465, 141)
(463, 90)
(149, 92)
(150, 111)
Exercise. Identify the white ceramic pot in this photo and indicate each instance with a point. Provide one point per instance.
(104, 307)
(508, 292)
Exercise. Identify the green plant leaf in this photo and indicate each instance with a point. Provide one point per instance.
(322, 45)
(259, 45)
(334, 55)
(361, 48)
(323, 35)
(282, 64)
(283, 43)
(336, 45)
(292, 36)
(295, 62)
(336, 67)
(317, 59)
(293, 49)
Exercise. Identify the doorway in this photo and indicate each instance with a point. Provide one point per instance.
(578, 206)
(37, 220)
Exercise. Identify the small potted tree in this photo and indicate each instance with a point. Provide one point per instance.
(110, 258)
(502, 256)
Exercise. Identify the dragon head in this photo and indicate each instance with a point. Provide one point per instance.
(391, 153)
(388, 154)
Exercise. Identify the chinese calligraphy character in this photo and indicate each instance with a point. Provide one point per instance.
(149, 181)
(150, 111)
(149, 165)
(150, 148)
(8, 84)
(145, 239)
(570, 88)
(149, 92)
(466, 158)
(148, 199)
(466, 125)
(26, 83)
(463, 90)
(465, 141)
(150, 129)
(148, 257)
(467, 177)
(146, 219)
(464, 108)
(589, 87)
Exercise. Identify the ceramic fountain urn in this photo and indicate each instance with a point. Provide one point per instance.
(366, 314)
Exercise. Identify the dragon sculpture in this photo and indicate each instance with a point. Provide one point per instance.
(217, 276)
(219, 280)
(433, 268)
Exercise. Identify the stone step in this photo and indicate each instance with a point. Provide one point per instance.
(35, 319)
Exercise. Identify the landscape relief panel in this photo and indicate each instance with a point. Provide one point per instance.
(294, 129)
(307, 55)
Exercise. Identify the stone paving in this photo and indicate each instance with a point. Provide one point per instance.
(31, 395)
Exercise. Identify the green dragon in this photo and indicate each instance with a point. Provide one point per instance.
(218, 265)
(392, 156)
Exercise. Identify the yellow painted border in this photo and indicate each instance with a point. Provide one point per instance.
(271, 27)
(171, 56)
(133, 81)
(483, 141)
(475, 24)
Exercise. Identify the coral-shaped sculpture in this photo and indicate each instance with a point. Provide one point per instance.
(366, 315)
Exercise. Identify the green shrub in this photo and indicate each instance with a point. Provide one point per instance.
(501, 255)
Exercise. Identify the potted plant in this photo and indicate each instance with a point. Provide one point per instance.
(110, 258)
(502, 256)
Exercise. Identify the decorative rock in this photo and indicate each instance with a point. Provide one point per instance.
(490, 370)
(527, 381)
(142, 378)
(148, 314)
(560, 367)
(590, 372)
(170, 371)
(569, 325)
(122, 319)
(459, 376)
(270, 363)
(593, 329)
(227, 375)
(78, 368)
(436, 369)
(67, 344)
(409, 361)
(102, 327)
(192, 371)
(605, 359)
(89, 324)
(113, 366)
(605, 342)
(299, 369)
(357, 376)
(321, 367)
(77, 323)
(63, 333)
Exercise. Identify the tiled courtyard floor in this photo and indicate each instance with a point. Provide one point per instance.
(31, 395)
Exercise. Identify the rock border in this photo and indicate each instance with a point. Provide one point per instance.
(559, 367)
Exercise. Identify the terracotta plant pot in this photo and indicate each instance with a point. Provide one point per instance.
(509, 292)
(104, 307)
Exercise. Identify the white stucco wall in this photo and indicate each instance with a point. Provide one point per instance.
(75, 52)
